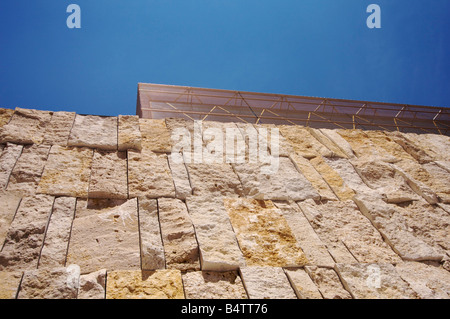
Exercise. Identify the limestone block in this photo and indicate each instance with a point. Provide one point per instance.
(180, 178)
(307, 169)
(410, 146)
(185, 136)
(214, 179)
(264, 235)
(9, 284)
(94, 132)
(26, 234)
(385, 180)
(8, 159)
(105, 236)
(219, 248)
(328, 282)
(66, 172)
(93, 285)
(28, 169)
(58, 130)
(5, 116)
(314, 249)
(444, 165)
(384, 143)
(374, 281)
(284, 183)
(333, 179)
(155, 135)
(266, 135)
(440, 180)
(136, 284)
(152, 249)
(9, 203)
(395, 229)
(347, 233)
(109, 175)
(26, 126)
(436, 146)
(55, 283)
(303, 286)
(322, 138)
(178, 235)
(223, 142)
(56, 240)
(303, 142)
(428, 281)
(149, 175)
(266, 283)
(213, 285)
(339, 141)
(129, 134)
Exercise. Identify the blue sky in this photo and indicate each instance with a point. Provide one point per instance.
(313, 47)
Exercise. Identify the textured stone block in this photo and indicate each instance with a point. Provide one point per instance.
(374, 281)
(314, 249)
(134, 284)
(328, 143)
(264, 235)
(410, 147)
(266, 283)
(58, 130)
(9, 284)
(428, 281)
(5, 116)
(155, 135)
(180, 179)
(94, 132)
(56, 283)
(303, 142)
(105, 236)
(178, 235)
(213, 285)
(66, 172)
(434, 145)
(27, 172)
(93, 285)
(26, 234)
(9, 203)
(8, 159)
(339, 141)
(384, 143)
(152, 249)
(26, 126)
(56, 241)
(440, 182)
(219, 248)
(328, 282)
(109, 175)
(149, 175)
(129, 134)
(333, 179)
(303, 286)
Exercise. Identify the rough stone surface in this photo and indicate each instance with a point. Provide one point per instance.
(303, 285)
(58, 130)
(428, 281)
(410, 147)
(349, 235)
(28, 169)
(374, 281)
(26, 234)
(395, 229)
(129, 134)
(333, 179)
(436, 146)
(26, 126)
(134, 284)
(66, 172)
(56, 283)
(387, 145)
(327, 142)
(54, 250)
(152, 249)
(213, 285)
(219, 248)
(264, 235)
(266, 283)
(9, 284)
(155, 135)
(314, 249)
(307, 169)
(8, 159)
(303, 142)
(9, 203)
(328, 282)
(94, 131)
(93, 285)
(180, 179)
(343, 145)
(5, 116)
(149, 175)
(178, 235)
(108, 175)
(105, 236)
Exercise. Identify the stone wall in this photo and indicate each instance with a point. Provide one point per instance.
(96, 207)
